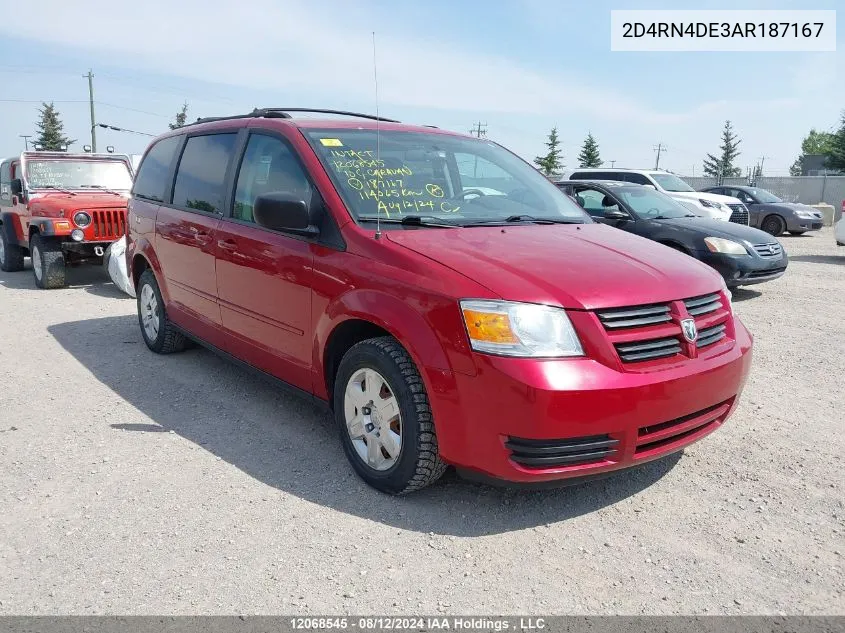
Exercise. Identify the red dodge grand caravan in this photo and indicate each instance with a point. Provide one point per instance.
(443, 298)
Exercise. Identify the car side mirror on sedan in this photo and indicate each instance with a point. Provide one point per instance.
(615, 214)
(284, 212)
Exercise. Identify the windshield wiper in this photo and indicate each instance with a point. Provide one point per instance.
(412, 220)
(101, 188)
(57, 188)
(513, 219)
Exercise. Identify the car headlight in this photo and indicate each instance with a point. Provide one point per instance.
(519, 329)
(81, 219)
(721, 245)
(710, 204)
(806, 215)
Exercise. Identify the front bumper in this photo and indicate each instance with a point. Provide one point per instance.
(803, 225)
(745, 270)
(513, 410)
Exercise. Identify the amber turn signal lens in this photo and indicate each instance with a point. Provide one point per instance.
(62, 226)
(492, 328)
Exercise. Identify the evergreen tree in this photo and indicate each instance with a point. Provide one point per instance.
(181, 117)
(836, 150)
(551, 164)
(589, 156)
(51, 130)
(723, 166)
(815, 143)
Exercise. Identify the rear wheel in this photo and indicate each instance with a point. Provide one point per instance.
(773, 225)
(11, 255)
(384, 418)
(160, 335)
(48, 262)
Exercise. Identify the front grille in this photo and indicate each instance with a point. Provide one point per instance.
(698, 306)
(759, 274)
(655, 436)
(739, 214)
(709, 335)
(109, 224)
(555, 453)
(638, 316)
(648, 350)
(770, 250)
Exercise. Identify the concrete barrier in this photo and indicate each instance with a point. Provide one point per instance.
(827, 212)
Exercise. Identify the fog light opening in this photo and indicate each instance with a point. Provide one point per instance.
(77, 235)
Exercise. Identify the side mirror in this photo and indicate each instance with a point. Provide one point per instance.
(16, 187)
(283, 212)
(650, 187)
(615, 214)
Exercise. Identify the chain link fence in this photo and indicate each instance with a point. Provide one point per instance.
(804, 189)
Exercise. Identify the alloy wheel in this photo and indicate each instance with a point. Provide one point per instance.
(373, 420)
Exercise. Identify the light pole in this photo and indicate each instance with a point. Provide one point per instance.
(25, 138)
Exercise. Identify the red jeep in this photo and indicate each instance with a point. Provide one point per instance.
(61, 209)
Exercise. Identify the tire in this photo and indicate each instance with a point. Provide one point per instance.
(773, 225)
(11, 255)
(418, 462)
(48, 262)
(797, 232)
(165, 338)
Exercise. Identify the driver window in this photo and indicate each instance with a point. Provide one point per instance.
(268, 166)
(592, 202)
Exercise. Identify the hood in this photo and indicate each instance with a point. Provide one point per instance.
(717, 228)
(790, 206)
(54, 202)
(584, 266)
(703, 195)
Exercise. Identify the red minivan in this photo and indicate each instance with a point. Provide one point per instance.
(446, 301)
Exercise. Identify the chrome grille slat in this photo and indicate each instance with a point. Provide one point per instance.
(710, 335)
(648, 350)
(703, 305)
(617, 318)
(769, 250)
(739, 214)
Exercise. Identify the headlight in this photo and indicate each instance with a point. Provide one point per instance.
(709, 204)
(520, 329)
(806, 214)
(81, 219)
(721, 245)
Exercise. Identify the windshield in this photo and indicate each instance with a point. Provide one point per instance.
(444, 178)
(651, 204)
(670, 182)
(763, 196)
(78, 174)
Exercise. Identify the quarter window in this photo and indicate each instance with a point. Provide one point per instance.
(151, 182)
(201, 176)
(268, 167)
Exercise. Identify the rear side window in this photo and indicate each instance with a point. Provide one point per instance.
(596, 175)
(637, 179)
(201, 176)
(151, 182)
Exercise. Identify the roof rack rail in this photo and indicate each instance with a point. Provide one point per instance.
(282, 113)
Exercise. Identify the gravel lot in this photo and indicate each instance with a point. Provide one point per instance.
(140, 484)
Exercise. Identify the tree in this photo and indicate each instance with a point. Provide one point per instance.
(181, 117)
(836, 149)
(589, 156)
(815, 143)
(723, 166)
(51, 130)
(551, 164)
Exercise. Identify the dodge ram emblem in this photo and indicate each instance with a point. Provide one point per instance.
(690, 331)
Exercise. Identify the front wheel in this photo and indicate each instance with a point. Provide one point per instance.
(11, 255)
(48, 262)
(160, 335)
(773, 225)
(384, 417)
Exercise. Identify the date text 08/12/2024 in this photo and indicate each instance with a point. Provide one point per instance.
(429, 623)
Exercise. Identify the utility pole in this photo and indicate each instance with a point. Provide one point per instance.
(90, 76)
(478, 130)
(612, 163)
(763, 160)
(25, 138)
(660, 148)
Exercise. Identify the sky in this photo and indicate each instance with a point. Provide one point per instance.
(518, 66)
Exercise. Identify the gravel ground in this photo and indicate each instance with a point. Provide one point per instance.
(138, 484)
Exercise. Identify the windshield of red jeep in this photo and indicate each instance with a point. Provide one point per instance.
(450, 178)
(78, 174)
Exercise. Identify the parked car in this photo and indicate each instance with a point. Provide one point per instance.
(60, 209)
(507, 335)
(708, 205)
(839, 230)
(770, 213)
(742, 255)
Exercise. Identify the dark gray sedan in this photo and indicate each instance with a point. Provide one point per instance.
(770, 213)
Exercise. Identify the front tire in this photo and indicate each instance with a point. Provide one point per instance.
(160, 335)
(384, 418)
(11, 255)
(48, 262)
(773, 225)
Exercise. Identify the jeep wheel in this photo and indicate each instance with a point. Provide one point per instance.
(159, 333)
(48, 262)
(384, 418)
(11, 255)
